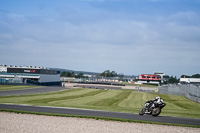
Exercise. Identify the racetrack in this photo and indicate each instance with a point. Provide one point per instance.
(31, 91)
(86, 112)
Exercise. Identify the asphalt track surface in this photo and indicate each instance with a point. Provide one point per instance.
(31, 91)
(98, 86)
(86, 112)
(48, 89)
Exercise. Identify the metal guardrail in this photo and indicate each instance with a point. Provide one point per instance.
(190, 91)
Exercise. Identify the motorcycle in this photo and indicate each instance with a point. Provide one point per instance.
(152, 108)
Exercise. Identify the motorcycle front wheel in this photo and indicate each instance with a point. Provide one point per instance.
(156, 111)
(142, 111)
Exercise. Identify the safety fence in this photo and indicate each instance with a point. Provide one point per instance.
(190, 91)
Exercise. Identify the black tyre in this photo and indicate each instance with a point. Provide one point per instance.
(142, 111)
(156, 111)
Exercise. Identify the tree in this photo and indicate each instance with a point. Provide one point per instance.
(113, 74)
(73, 74)
(66, 74)
(121, 76)
(185, 76)
(173, 80)
(63, 74)
(195, 76)
(69, 74)
(107, 73)
(80, 75)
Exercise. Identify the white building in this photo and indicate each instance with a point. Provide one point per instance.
(190, 80)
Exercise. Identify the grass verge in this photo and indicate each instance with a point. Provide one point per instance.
(96, 118)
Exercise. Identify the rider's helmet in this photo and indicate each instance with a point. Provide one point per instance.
(157, 98)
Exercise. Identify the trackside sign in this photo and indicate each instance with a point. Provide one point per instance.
(29, 71)
(33, 71)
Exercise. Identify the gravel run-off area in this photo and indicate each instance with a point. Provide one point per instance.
(26, 123)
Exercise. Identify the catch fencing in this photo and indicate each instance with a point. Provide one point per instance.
(190, 91)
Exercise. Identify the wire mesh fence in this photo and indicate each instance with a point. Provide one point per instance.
(190, 91)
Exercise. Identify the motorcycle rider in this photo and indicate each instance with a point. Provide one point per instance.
(157, 100)
(153, 107)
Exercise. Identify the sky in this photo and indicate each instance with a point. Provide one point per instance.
(130, 37)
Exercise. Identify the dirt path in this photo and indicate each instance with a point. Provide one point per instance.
(25, 123)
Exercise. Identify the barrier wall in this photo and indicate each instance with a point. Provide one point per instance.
(190, 91)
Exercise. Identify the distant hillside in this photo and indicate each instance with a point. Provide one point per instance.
(84, 72)
(77, 72)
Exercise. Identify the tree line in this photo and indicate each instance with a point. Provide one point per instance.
(174, 79)
(72, 74)
(108, 73)
(193, 76)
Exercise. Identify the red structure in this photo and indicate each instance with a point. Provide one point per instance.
(149, 78)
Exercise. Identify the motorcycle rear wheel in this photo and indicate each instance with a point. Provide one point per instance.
(156, 112)
(142, 111)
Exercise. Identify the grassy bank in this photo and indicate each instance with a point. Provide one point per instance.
(108, 100)
(15, 87)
